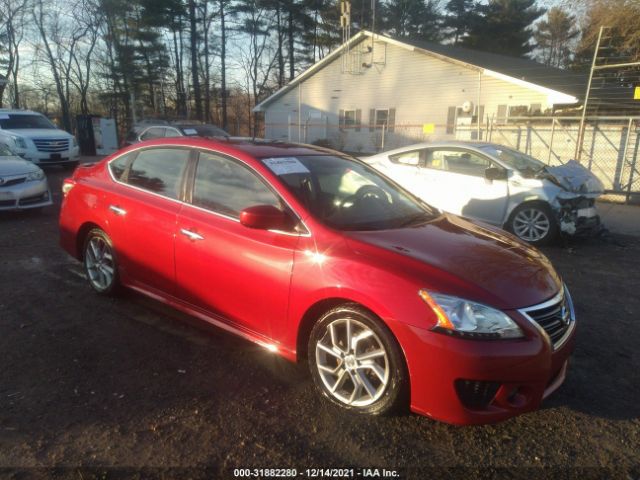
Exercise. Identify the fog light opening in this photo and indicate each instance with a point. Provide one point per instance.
(517, 397)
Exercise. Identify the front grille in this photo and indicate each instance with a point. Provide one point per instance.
(476, 394)
(13, 181)
(52, 145)
(555, 318)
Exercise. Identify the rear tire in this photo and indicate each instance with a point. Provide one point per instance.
(356, 362)
(100, 264)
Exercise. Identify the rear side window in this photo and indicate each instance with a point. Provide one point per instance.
(120, 164)
(159, 170)
(412, 158)
(224, 186)
(154, 132)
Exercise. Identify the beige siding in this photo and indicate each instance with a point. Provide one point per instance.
(420, 88)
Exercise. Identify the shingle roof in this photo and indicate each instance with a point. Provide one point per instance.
(523, 69)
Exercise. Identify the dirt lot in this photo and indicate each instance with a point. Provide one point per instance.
(101, 388)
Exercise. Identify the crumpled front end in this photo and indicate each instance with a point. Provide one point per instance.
(574, 202)
(577, 215)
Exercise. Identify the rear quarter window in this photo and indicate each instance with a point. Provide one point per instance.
(120, 164)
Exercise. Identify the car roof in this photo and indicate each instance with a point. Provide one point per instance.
(13, 111)
(443, 143)
(255, 147)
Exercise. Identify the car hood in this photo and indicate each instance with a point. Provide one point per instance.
(497, 267)
(573, 177)
(40, 132)
(16, 166)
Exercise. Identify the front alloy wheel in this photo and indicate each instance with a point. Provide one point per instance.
(355, 361)
(533, 223)
(100, 262)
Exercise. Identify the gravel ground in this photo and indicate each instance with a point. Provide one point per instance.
(92, 387)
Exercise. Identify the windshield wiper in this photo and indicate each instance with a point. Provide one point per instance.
(416, 219)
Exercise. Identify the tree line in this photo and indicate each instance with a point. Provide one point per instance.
(213, 60)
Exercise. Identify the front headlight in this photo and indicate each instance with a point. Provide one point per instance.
(74, 142)
(19, 141)
(457, 316)
(35, 176)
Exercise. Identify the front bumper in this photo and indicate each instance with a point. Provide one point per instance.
(45, 158)
(25, 196)
(469, 382)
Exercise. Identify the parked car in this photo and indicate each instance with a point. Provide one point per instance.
(23, 185)
(32, 136)
(315, 255)
(498, 185)
(175, 130)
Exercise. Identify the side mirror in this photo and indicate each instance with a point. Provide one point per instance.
(265, 217)
(495, 173)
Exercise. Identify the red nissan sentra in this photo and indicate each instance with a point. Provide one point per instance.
(314, 255)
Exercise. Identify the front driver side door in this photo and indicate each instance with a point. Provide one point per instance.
(458, 178)
(235, 272)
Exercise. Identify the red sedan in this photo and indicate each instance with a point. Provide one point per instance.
(316, 256)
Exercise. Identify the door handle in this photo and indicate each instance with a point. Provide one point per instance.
(117, 210)
(191, 235)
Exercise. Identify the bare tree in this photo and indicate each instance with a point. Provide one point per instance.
(12, 16)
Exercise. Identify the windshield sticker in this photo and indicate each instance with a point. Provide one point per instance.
(190, 131)
(285, 165)
(4, 116)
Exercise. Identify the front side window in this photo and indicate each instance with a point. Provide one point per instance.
(347, 195)
(513, 158)
(159, 170)
(458, 161)
(225, 186)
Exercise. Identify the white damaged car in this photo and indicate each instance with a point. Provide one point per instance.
(23, 185)
(498, 185)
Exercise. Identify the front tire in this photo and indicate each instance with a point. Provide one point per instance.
(534, 223)
(100, 263)
(356, 362)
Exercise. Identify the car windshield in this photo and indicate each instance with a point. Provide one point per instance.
(5, 151)
(347, 195)
(16, 122)
(514, 159)
(203, 131)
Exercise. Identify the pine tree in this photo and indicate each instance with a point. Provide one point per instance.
(460, 14)
(504, 26)
(553, 37)
(415, 19)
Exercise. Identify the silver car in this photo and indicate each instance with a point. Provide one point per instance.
(497, 185)
(23, 185)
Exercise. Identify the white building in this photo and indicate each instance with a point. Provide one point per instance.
(376, 92)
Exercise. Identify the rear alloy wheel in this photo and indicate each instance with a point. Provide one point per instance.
(534, 223)
(100, 262)
(355, 361)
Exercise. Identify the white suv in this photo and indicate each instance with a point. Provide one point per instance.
(32, 136)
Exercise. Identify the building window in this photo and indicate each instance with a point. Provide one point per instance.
(350, 119)
(382, 117)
